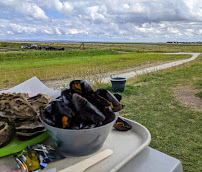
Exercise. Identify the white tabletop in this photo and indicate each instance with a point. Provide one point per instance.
(151, 160)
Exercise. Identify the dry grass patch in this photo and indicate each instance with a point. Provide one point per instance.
(186, 95)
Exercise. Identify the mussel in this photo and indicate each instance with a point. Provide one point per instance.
(122, 125)
(59, 112)
(111, 98)
(88, 110)
(82, 87)
(80, 107)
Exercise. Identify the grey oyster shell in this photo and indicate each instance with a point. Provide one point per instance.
(39, 101)
(4, 133)
(29, 128)
(15, 106)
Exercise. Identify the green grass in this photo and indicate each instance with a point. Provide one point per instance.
(16, 67)
(199, 94)
(175, 129)
(129, 47)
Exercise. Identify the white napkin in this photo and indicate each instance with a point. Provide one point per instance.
(35, 86)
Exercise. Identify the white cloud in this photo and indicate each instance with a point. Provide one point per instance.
(48, 31)
(172, 30)
(118, 20)
(63, 7)
(9, 32)
(22, 29)
(57, 31)
(75, 31)
(25, 8)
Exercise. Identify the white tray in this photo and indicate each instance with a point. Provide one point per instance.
(125, 145)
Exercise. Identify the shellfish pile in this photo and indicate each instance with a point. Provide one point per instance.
(80, 107)
(19, 114)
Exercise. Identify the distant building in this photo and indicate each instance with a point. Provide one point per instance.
(176, 42)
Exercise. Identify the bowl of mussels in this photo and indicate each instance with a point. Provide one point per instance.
(80, 119)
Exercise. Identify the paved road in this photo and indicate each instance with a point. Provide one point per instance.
(155, 68)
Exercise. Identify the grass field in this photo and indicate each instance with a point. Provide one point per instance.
(16, 67)
(149, 99)
(175, 129)
(128, 47)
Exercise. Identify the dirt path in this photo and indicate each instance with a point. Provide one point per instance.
(132, 72)
(155, 68)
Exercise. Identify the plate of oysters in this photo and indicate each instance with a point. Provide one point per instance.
(19, 121)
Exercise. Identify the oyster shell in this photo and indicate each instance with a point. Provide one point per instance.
(29, 128)
(15, 106)
(39, 101)
(4, 133)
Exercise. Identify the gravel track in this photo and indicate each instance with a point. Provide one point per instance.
(133, 72)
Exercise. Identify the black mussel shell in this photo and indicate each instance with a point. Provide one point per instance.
(82, 87)
(118, 96)
(109, 115)
(87, 109)
(97, 100)
(111, 98)
(66, 92)
(122, 125)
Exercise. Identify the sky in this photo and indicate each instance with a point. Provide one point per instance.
(101, 20)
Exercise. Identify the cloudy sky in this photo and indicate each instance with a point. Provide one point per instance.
(101, 20)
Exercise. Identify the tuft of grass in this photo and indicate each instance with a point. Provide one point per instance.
(199, 95)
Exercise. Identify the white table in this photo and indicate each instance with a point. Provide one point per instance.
(151, 160)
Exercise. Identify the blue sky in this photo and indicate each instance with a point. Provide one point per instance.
(101, 20)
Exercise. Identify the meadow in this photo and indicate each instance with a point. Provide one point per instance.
(175, 128)
(18, 66)
(149, 99)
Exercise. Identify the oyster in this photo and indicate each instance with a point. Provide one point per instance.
(29, 128)
(15, 106)
(4, 133)
(39, 101)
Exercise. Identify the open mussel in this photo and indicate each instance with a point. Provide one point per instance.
(111, 98)
(122, 125)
